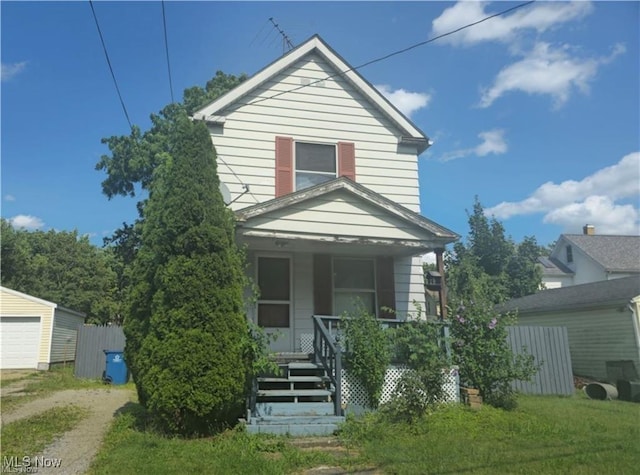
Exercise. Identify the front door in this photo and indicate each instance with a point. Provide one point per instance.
(274, 302)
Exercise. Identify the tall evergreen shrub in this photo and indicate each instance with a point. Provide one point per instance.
(186, 329)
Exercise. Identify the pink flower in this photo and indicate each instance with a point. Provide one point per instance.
(493, 323)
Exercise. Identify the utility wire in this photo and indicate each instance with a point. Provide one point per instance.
(382, 58)
(166, 49)
(104, 47)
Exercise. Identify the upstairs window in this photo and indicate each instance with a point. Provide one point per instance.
(569, 254)
(300, 165)
(315, 164)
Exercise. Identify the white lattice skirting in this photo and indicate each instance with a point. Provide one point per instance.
(353, 394)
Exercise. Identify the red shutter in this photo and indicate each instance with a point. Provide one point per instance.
(322, 290)
(284, 165)
(347, 160)
(385, 286)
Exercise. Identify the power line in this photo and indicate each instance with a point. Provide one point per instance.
(382, 58)
(104, 47)
(166, 49)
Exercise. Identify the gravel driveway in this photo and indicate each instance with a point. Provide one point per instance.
(76, 448)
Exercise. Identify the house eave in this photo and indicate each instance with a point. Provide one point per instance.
(315, 43)
(444, 235)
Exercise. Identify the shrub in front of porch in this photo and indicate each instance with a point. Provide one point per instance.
(417, 346)
(368, 352)
(481, 351)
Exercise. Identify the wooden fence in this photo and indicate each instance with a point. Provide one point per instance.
(550, 347)
(92, 341)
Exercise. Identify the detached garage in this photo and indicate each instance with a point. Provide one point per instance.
(35, 333)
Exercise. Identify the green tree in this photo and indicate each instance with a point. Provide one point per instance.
(186, 329)
(62, 267)
(490, 266)
(134, 157)
(486, 362)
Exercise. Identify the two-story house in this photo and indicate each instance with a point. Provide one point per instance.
(322, 172)
(590, 257)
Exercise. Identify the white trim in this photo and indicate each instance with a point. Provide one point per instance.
(50, 345)
(315, 44)
(436, 232)
(33, 299)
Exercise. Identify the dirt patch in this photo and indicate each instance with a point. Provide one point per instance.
(76, 448)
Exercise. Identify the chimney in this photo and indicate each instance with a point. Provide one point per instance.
(589, 230)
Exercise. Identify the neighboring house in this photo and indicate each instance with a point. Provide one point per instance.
(35, 333)
(322, 172)
(601, 320)
(589, 257)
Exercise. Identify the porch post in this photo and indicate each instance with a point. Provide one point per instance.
(442, 293)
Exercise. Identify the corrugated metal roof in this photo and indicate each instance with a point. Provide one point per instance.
(591, 294)
(614, 253)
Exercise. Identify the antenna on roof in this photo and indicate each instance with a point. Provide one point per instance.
(285, 39)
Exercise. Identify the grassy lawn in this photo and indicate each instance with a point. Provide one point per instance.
(544, 435)
(128, 449)
(31, 435)
(43, 383)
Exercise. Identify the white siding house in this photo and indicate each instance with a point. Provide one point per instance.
(589, 257)
(35, 333)
(601, 320)
(322, 172)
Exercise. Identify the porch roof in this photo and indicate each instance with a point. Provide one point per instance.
(341, 212)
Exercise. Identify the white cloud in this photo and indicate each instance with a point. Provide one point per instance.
(26, 222)
(547, 70)
(592, 199)
(407, 102)
(492, 142)
(602, 212)
(538, 17)
(9, 198)
(9, 70)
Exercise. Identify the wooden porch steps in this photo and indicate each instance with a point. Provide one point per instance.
(298, 402)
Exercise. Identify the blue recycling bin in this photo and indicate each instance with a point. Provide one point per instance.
(116, 369)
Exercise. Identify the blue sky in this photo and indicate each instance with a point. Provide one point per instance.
(536, 112)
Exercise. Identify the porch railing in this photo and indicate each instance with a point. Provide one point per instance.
(328, 352)
(328, 348)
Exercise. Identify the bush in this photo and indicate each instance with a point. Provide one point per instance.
(368, 354)
(416, 346)
(480, 349)
(188, 343)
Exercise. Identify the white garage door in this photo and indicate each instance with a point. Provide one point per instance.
(20, 337)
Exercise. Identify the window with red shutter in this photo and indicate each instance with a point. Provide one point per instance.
(284, 165)
(347, 160)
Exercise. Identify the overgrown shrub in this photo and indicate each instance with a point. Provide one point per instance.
(188, 341)
(480, 349)
(368, 353)
(417, 347)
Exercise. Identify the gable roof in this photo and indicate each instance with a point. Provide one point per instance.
(345, 184)
(552, 266)
(411, 134)
(614, 253)
(576, 296)
(37, 300)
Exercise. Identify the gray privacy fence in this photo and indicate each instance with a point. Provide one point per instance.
(549, 346)
(92, 341)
